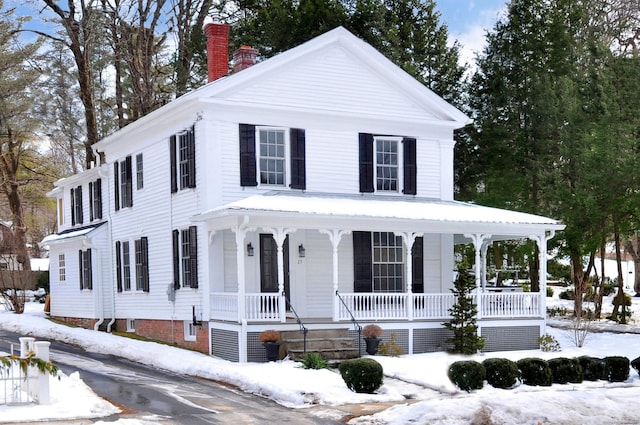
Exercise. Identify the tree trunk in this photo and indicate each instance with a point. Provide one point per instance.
(632, 246)
(619, 298)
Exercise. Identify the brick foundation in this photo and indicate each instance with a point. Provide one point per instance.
(169, 331)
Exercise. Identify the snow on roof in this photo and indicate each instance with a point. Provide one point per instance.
(70, 233)
(423, 209)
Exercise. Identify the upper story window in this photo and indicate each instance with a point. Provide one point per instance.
(387, 164)
(95, 200)
(123, 183)
(76, 206)
(182, 152)
(139, 175)
(272, 156)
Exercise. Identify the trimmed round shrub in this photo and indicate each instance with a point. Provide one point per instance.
(616, 368)
(467, 375)
(361, 375)
(566, 370)
(592, 368)
(635, 363)
(535, 372)
(501, 373)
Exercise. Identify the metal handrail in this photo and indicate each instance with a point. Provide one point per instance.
(356, 325)
(303, 328)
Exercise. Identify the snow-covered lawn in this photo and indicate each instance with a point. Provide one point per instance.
(433, 400)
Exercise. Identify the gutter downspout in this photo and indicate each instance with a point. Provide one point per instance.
(104, 173)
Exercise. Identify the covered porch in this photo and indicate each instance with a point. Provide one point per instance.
(317, 279)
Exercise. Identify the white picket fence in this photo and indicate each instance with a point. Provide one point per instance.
(16, 387)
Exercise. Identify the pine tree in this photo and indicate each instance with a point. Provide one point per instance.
(463, 324)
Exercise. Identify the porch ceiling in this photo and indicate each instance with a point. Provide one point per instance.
(381, 213)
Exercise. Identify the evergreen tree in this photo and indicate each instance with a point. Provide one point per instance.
(464, 312)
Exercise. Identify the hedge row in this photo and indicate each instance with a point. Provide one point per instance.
(503, 373)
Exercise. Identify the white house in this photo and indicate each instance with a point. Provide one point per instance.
(311, 190)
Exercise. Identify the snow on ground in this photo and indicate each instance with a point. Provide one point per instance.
(434, 400)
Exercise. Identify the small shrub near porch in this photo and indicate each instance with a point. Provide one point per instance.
(362, 375)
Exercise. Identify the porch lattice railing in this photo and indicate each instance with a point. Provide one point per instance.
(265, 307)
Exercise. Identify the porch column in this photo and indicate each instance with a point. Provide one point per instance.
(240, 233)
(478, 240)
(279, 235)
(335, 235)
(483, 261)
(541, 241)
(408, 239)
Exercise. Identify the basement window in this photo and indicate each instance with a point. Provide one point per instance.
(131, 325)
(189, 331)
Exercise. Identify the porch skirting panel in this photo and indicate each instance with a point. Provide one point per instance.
(224, 344)
(430, 340)
(507, 338)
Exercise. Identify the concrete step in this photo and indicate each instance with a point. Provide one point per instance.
(331, 344)
(327, 354)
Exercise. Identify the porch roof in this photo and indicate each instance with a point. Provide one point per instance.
(368, 212)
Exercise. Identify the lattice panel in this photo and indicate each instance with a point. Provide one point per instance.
(430, 340)
(511, 338)
(224, 344)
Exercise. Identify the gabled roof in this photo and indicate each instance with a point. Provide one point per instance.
(421, 97)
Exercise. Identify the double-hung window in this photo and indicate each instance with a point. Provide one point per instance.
(185, 258)
(182, 153)
(76, 206)
(123, 183)
(388, 262)
(62, 268)
(272, 147)
(387, 164)
(139, 173)
(272, 156)
(123, 269)
(142, 264)
(95, 200)
(84, 269)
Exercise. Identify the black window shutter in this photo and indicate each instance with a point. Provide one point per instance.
(98, 186)
(90, 201)
(193, 255)
(145, 263)
(417, 269)
(362, 262)
(191, 158)
(73, 206)
(118, 266)
(89, 269)
(129, 183)
(366, 162)
(174, 164)
(79, 218)
(298, 168)
(80, 269)
(248, 155)
(116, 185)
(409, 166)
(176, 259)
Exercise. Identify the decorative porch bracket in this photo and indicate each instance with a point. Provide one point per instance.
(478, 240)
(279, 235)
(335, 235)
(408, 239)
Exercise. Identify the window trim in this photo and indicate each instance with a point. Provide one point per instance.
(286, 159)
(190, 333)
(62, 268)
(399, 165)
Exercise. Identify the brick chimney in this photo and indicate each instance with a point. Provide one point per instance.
(243, 58)
(217, 48)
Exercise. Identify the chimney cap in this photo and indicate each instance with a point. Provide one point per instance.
(211, 19)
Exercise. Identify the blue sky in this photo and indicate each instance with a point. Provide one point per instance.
(468, 20)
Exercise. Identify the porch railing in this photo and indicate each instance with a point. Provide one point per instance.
(265, 307)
